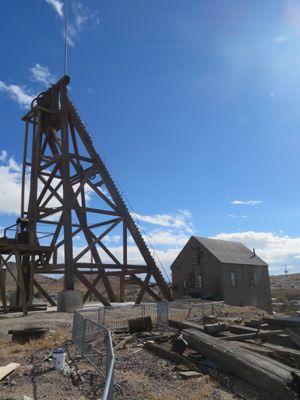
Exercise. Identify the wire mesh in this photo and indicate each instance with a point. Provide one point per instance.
(116, 317)
(94, 342)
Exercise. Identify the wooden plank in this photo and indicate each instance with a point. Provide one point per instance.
(122, 343)
(246, 336)
(262, 372)
(186, 325)
(285, 355)
(239, 329)
(170, 355)
(190, 374)
(7, 369)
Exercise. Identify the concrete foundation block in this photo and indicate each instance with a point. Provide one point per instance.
(69, 301)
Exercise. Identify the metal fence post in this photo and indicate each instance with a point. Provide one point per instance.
(104, 315)
(162, 314)
(75, 322)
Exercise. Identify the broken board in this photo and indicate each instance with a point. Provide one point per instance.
(7, 369)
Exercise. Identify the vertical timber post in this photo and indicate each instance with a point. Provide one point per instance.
(67, 205)
(35, 165)
(3, 287)
(24, 170)
(21, 283)
(123, 272)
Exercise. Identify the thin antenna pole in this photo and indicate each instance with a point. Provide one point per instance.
(66, 37)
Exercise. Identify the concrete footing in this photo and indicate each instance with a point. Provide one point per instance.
(69, 301)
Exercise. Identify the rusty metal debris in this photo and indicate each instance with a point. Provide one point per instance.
(140, 324)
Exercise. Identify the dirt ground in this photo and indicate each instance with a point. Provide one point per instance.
(138, 373)
(50, 319)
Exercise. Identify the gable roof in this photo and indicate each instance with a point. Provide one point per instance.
(230, 252)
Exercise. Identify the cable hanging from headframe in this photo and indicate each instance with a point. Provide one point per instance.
(66, 11)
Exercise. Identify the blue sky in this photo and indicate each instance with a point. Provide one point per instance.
(195, 107)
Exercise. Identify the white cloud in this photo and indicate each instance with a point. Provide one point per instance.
(79, 16)
(58, 6)
(17, 93)
(10, 188)
(84, 15)
(246, 203)
(71, 35)
(13, 165)
(167, 237)
(3, 155)
(276, 250)
(281, 39)
(112, 239)
(238, 216)
(180, 220)
(41, 74)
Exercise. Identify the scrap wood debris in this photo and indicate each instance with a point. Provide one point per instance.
(245, 359)
(222, 347)
(8, 369)
(256, 352)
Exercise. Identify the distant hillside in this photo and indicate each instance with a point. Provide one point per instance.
(54, 286)
(278, 279)
(45, 281)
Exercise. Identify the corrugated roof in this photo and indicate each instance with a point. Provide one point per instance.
(230, 252)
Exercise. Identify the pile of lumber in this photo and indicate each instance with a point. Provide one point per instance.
(270, 375)
(252, 351)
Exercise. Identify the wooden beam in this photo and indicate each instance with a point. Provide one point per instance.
(148, 289)
(269, 375)
(21, 283)
(254, 335)
(43, 292)
(3, 287)
(171, 355)
(143, 288)
(92, 289)
(67, 204)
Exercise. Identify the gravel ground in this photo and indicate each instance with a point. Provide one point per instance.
(47, 319)
(139, 373)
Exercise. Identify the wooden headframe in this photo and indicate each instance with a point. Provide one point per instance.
(72, 193)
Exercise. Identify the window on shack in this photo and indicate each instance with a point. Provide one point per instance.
(233, 280)
(252, 282)
(194, 257)
(197, 280)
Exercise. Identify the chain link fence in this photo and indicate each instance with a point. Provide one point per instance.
(183, 310)
(116, 317)
(94, 342)
(92, 326)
